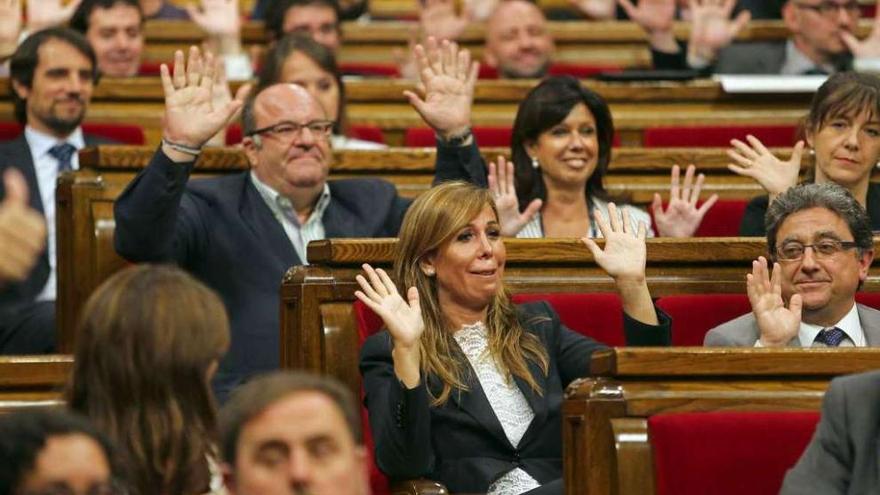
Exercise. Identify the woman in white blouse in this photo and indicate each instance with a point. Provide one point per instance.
(466, 387)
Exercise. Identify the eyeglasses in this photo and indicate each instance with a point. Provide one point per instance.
(826, 248)
(830, 9)
(288, 130)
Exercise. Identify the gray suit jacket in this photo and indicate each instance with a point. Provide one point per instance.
(743, 331)
(842, 457)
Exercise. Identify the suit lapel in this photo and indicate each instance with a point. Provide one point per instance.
(475, 403)
(259, 218)
(21, 158)
(538, 403)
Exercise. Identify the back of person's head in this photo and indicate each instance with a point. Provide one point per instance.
(277, 10)
(544, 107)
(82, 15)
(24, 61)
(147, 343)
(25, 437)
(272, 70)
(830, 196)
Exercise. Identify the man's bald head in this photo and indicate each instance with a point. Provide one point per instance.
(517, 42)
(279, 98)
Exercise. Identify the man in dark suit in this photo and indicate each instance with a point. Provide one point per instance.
(843, 455)
(822, 40)
(240, 233)
(819, 238)
(52, 75)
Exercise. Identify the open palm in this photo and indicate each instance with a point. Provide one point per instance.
(756, 161)
(777, 324)
(403, 318)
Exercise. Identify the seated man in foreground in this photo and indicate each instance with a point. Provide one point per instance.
(842, 457)
(240, 233)
(819, 240)
(294, 433)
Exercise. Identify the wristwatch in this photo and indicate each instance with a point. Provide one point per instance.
(456, 140)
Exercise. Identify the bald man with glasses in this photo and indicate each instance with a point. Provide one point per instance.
(820, 245)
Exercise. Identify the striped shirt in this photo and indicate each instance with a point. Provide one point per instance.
(282, 209)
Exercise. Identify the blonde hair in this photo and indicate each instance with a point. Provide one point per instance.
(432, 220)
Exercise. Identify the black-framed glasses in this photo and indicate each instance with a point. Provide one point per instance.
(287, 130)
(794, 250)
(831, 9)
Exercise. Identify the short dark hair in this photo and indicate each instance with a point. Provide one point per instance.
(323, 57)
(251, 399)
(830, 196)
(545, 106)
(24, 434)
(278, 8)
(80, 19)
(27, 56)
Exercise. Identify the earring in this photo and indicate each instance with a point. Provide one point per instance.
(812, 152)
(535, 164)
(429, 272)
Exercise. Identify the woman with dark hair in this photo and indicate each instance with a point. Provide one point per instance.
(147, 346)
(465, 387)
(299, 59)
(561, 148)
(842, 132)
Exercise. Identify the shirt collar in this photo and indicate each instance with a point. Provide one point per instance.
(281, 204)
(850, 324)
(797, 63)
(40, 142)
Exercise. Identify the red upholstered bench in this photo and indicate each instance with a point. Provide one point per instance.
(694, 315)
(122, 133)
(706, 136)
(599, 316)
(727, 452)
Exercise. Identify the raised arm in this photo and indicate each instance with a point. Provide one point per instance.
(42, 14)
(756, 161)
(682, 217)
(624, 258)
(10, 27)
(867, 51)
(503, 188)
(777, 323)
(712, 29)
(657, 19)
(22, 230)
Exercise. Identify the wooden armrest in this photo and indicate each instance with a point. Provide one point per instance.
(419, 486)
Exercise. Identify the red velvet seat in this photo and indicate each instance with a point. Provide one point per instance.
(871, 299)
(722, 220)
(123, 133)
(723, 453)
(694, 315)
(719, 136)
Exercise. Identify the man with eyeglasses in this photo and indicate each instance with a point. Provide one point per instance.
(819, 241)
(240, 233)
(822, 40)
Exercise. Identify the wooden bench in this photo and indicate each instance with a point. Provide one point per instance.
(605, 441)
(380, 103)
(32, 381)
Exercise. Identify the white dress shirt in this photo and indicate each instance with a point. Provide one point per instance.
(46, 168)
(850, 324)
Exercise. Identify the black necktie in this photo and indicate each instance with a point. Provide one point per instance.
(832, 337)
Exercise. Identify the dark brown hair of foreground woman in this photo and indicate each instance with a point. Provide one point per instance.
(148, 341)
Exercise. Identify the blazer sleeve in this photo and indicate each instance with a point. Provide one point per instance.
(400, 418)
(155, 220)
(642, 334)
(826, 465)
(460, 163)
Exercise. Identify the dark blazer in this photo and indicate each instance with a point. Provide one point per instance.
(760, 57)
(842, 458)
(462, 443)
(17, 154)
(222, 231)
(752, 223)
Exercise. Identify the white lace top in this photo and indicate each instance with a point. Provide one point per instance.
(506, 399)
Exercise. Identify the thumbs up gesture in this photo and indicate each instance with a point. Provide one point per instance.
(22, 230)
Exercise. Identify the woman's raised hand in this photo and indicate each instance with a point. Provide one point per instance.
(446, 80)
(682, 216)
(403, 318)
(624, 255)
(503, 189)
(756, 161)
